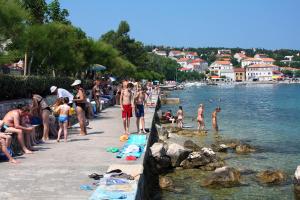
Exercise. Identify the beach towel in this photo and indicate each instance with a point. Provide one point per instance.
(134, 146)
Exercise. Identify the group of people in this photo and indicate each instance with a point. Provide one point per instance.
(23, 119)
(179, 118)
(134, 96)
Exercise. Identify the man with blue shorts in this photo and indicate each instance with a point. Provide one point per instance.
(139, 103)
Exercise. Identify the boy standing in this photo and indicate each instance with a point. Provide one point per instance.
(139, 103)
(214, 119)
(125, 102)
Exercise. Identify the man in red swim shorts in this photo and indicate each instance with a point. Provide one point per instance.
(126, 106)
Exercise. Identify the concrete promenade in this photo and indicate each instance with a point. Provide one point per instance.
(57, 170)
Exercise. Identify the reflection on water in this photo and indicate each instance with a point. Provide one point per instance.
(266, 115)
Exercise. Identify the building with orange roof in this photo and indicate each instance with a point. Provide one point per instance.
(261, 72)
(191, 55)
(222, 68)
(176, 54)
(239, 74)
(240, 56)
(253, 61)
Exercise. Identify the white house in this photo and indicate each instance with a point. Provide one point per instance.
(183, 62)
(260, 72)
(176, 54)
(198, 65)
(160, 53)
(252, 61)
(240, 56)
(222, 68)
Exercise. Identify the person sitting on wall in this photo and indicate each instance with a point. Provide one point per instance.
(5, 141)
(12, 124)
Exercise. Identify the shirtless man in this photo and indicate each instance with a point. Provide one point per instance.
(12, 124)
(214, 119)
(200, 117)
(126, 106)
(139, 103)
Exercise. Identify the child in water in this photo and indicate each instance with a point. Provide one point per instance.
(63, 111)
(180, 116)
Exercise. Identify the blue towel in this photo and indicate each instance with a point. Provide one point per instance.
(134, 139)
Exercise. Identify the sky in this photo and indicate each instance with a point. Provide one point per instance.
(270, 24)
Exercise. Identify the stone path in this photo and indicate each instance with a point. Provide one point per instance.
(57, 170)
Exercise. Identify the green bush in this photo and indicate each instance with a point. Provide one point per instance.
(15, 87)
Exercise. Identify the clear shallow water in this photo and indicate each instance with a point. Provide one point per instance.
(268, 116)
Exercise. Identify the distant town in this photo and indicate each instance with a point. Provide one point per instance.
(260, 67)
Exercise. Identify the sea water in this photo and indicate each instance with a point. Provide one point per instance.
(266, 116)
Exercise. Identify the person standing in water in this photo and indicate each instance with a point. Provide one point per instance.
(180, 117)
(214, 119)
(200, 117)
(125, 102)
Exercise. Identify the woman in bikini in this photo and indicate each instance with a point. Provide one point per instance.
(180, 117)
(63, 117)
(80, 101)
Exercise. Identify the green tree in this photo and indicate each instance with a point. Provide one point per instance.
(287, 72)
(56, 14)
(297, 73)
(37, 10)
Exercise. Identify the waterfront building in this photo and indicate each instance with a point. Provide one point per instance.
(253, 61)
(222, 68)
(261, 72)
(239, 74)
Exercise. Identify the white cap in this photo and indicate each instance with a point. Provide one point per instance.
(76, 82)
(53, 88)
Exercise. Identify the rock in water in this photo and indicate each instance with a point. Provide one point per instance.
(189, 144)
(231, 143)
(244, 148)
(166, 183)
(177, 153)
(271, 177)
(158, 150)
(297, 183)
(205, 159)
(223, 177)
(219, 147)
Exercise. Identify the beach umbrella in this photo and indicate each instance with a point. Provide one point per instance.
(98, 67)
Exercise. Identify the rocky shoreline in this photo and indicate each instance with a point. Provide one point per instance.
(210, 160)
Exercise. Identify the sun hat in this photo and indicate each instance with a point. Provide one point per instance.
(76, 82)
(53, 88)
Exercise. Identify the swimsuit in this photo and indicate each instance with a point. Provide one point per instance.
(127, 111)
(63, 118)
(139, 110)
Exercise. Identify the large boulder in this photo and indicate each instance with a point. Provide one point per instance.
(244, 148)
(223, 177)
(271, 177)
(163, 134)
(297, 183)
(177, 153)
(158, 150)
(205, 159)
(189, 144)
